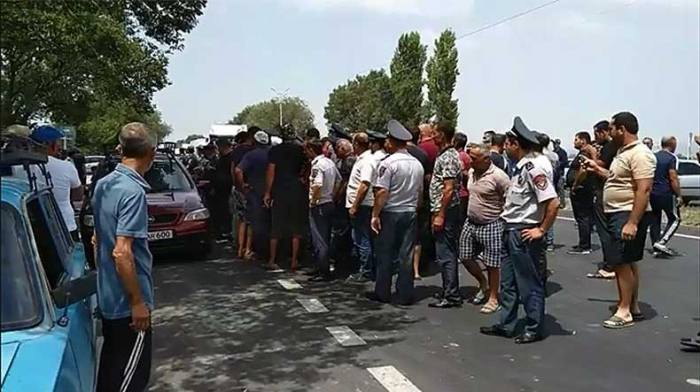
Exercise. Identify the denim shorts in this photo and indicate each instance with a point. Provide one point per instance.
(616, 250)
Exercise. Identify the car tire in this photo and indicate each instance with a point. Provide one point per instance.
(202, 250)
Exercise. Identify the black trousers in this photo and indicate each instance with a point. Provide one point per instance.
(667, 205)
(601, 224)
(125, 361)
(221, 213)
(582, 203)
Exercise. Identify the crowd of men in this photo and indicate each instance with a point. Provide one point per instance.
(377, 201)
(383, 202)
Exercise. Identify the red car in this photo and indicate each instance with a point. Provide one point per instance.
(178, 221)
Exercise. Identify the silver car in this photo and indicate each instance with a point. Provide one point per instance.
(689, 176)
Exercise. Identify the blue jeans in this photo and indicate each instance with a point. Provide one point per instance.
(395, 244)
(361, 237)
(321, 221)
(521, 282)
(446, 254)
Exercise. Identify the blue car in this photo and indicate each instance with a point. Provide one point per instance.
(49, 334)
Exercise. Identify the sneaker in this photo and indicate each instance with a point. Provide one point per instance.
(358, 278)
(663, 249)
(479, 299)
(550, 248)
(578, 251)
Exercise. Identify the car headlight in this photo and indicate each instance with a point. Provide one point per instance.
(89, 221)
(200, 214)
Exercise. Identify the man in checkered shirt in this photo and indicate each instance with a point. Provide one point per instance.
(483, 230)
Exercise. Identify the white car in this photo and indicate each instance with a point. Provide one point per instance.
(91, 162)
(689, 176)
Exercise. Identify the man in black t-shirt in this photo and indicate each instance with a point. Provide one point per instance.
(221, 191)
(603, 151)
(581, 196)
(285, 195)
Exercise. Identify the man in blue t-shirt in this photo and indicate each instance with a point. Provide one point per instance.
(124, 281)
(665, 196)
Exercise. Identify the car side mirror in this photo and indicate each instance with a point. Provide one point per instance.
(75, 290)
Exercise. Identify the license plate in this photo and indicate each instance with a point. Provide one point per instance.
(160, 235)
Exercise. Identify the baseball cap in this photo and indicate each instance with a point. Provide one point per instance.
(261, 137)
(46, 134)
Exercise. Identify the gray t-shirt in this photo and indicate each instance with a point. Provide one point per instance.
(402, 175)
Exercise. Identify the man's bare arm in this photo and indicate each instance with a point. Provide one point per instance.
(126, 269)
(675, 182)
(550, 214)
(641, 199)
(361, 194)
(447, 195)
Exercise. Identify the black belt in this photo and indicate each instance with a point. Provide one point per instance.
(75, 234)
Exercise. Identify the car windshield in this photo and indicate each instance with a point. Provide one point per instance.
(20, 303)
(166, 175)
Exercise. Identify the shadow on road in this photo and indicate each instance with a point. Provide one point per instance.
(227, 325)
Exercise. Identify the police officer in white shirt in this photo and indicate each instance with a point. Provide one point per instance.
(397, 194)
(530, 209)
(359, 201)
(323, 181)
(67, 186)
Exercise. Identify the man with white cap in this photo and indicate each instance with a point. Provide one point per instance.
(397, 192)
(251, 173)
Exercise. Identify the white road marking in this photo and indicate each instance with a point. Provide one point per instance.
(312, 305)
(346, 336)
(289, 284)
(693, 381)
(392, 379)
(688, 236)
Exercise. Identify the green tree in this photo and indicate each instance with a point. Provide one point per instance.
(442, 70)
(266, 114)
(407, 79)
(106, 118)
(362, 103)
(59, 56)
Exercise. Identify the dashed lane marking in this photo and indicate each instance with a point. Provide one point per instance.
(312, 305)
(346, 336)
(289, 284)
(392, 379)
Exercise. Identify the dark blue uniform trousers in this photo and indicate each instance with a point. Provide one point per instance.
(321, 222)
(395, 244)
(446, 254)
(521, 282)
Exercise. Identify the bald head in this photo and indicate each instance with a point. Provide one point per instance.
(343, 148)
(136, 141)
(360, 142)
(426, 131)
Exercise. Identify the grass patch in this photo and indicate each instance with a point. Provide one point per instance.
(690, 216)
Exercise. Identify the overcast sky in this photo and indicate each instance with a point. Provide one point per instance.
(561, 68)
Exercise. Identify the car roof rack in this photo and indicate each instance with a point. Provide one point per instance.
(26, 159)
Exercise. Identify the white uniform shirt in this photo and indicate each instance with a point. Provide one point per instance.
(64, 177)
(325, 174)
(362, 171)
(529, 188)
(402, 175)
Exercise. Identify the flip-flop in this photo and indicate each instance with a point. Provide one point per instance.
(635, 316)
(489, 308)
(598, 275)
(615, 322)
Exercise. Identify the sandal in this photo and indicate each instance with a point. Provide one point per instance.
(489, 308)
(600, 275)
(249, 256)
(635, 316)
(273, 267)
(615, 322)
(479, 299)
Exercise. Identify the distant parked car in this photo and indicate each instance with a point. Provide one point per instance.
(689, 176)
(91, 162)
(49, 335)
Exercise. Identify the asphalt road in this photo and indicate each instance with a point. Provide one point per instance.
(225, 325)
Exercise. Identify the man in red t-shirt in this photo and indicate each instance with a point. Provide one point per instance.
(427, 144)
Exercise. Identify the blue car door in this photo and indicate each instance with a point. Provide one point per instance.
(78, 317)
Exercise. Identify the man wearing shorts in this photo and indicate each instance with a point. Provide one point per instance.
(483, 230)
(626, 202)
(285, 195)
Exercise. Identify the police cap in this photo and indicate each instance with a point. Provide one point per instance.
(376, 135)
(398, 131)
(338, 131)
(521, 130)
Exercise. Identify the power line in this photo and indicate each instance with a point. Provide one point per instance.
(508, 19)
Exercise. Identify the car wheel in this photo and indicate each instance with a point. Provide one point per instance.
(202, 250)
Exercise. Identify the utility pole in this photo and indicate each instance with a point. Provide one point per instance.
(280, 97)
